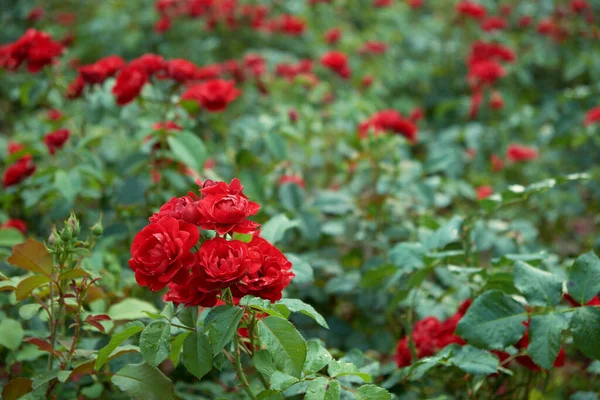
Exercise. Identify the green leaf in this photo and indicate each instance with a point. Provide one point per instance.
(155, 342)
(32, 256)
(291, 196)
(286, 345)
(323, 389)
(189, 149)
(448, 233)
(221, 324)
(539, 287)
(474, 361)
(259, 304)
(68, 185)
(28, 311)
(372, 392)
(130, 309)
(176, 346)
(263, 362)
(28, 285)
(494, 321)
(10, 237)
(116, 340)
(143, 381)
(585, 325)
(281, 381)
(407, 256)
(11, 333)
(274, 229)
(584, 278)
(317, 357)
(197, 355)
(545, 333)
(340, 368)
(285, 306)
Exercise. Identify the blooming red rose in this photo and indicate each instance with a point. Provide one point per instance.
(485, 72)
(491, 24)
(163, 24)
(516, 153)
(35, 14)
(592, 116)
(129, 84)
(150, 63)
(333, 35)
(388, 120)
(373, 48)
(14, 147)
(168, 126)
(471, 9)
(416, 115)
(367, 81)
(291, 25)
(578, 6)
(213, 95)
(102, 69)
(484, 192)
(223, 208)
(190, 293)
(221, 263)
(337, 62)
(35, 48)
(274, 275)
(296, 179)
(382, 3)
(15, 223)
(208, 72)
(18, 171)
(415, 3)
(181, 70)
(173, 208)
(56, 140)
(160, 253)
(256, 64)
(525, 21)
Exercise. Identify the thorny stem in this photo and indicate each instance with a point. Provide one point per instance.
(239, 369)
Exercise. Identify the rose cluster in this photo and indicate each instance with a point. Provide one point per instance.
(430, 336)
(162, 253)
(34, 48)
(19, 170)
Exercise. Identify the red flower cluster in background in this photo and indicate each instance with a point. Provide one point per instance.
(161, 253)
(391, 121)
(35, 48)
(15, 223)
(20, 169)
(517, 153)
(430, 336)
(56, 140)
(471, 9)
(337, 62)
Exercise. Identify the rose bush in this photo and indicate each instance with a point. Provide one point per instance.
(313, 199)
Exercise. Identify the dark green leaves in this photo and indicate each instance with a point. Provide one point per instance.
(372, 392)
(197, 354)
(221, 324)
(323, 389)
(285, 306)
(493, 321)
(545, 333)
(539, 287)
(155, 342)
(130, 329)
(585, 325)
(286, 345)
(143, 381)
(584, 278)
(474, 361)
(317, 358)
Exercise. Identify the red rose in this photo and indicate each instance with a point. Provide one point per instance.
(150, 63)
(484, 192)
(14, 147)
(493, 24)
(256, 64)
(367, 81)
(485, 72)
(388, 120)
(163, 24)
(102, 69)
(208, 72)
(373, 48)
(592, 116)
(496, 101)
(173, 208)
(223, 208)
(416, 115)
(214, 95)
(130, 82)
(274, 274)
(36, 48)
(54, 114)
(15, 223)
(291, 25)
(471, 9)
(337, 62)
(497, 163)
(18, 171)
(516, 153)
(415, 3)
(333, 35)
(190, 293)
(75, 88)
(160, 253)
(221, 263)
(168, 126)
(181, 70)
(35, 14)
(56, 140)
(382, 3)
